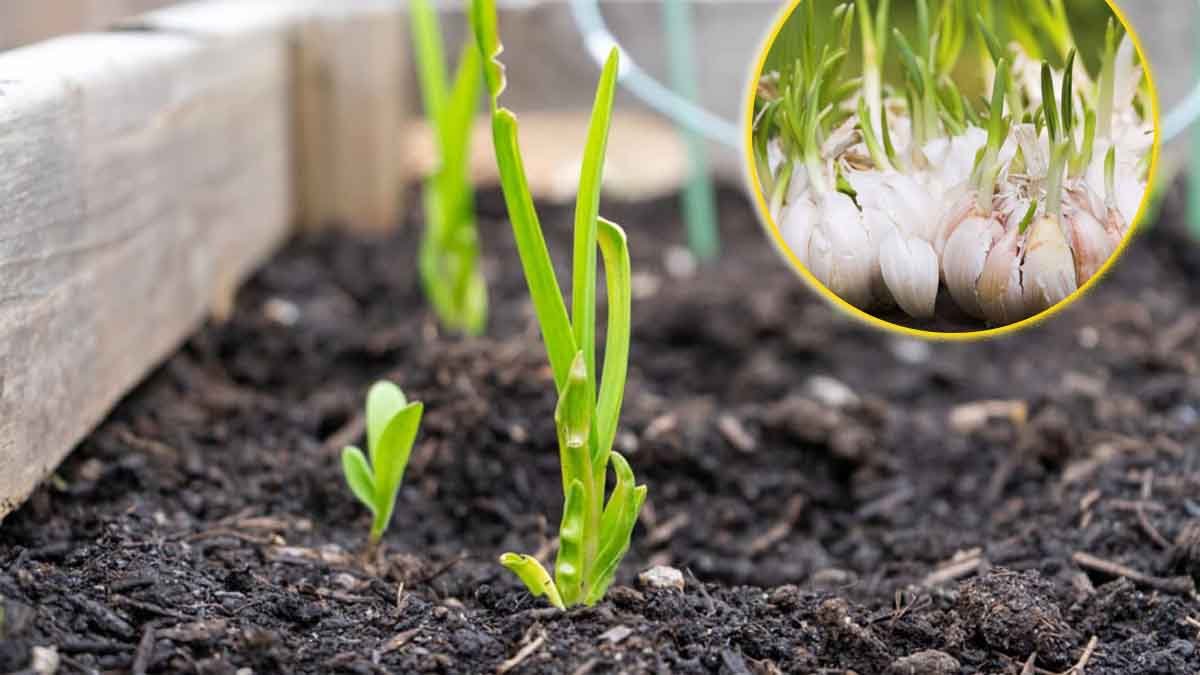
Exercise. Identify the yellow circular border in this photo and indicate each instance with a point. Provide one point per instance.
(764, 214)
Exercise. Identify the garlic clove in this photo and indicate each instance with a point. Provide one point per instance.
(796, 222)
(840, 253)
(1048, 273)
(1000, 294)
(1091, 244)
(910, 273)
(963, 260)
(879, 228)
(961, 201)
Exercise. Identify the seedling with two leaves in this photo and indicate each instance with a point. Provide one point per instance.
(594, 535)
(392, 423)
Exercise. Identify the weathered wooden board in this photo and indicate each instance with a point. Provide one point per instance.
(553, 143)
(144, 173)
(143, 176)
(349, 66)
(24, 22)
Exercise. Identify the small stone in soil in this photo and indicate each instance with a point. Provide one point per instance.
(929, 662)
(45, 661)
(832, 392)
(662, 577)
(616, 634)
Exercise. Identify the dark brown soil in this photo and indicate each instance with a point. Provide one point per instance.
(839, 498)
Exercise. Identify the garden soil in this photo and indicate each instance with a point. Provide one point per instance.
(837, 499)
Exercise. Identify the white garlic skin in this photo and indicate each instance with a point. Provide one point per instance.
(840, 254)
(1048, 273)
(909, 268)
(964, 257)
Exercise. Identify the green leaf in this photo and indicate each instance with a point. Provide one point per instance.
(1048, 104)
(358, 476)
(568, 568)
(587, 209)
(531, 245)
(573, 421)
(615, 249)
(391, 459)
(912, 67)
(384, 400)
(1028, 217)
(867, 128)
(1067, 108)
(430, 56)
(994, 47)
(534, 576)
(487, 35)
(620, 517)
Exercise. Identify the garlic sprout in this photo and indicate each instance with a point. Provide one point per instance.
(944, 198)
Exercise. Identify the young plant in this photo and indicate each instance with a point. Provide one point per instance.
(594, 535)
(392, 423)
(449, 255)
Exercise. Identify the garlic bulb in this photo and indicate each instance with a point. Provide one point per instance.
(1011, 205)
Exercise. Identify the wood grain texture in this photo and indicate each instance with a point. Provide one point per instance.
(142, 176)
(350, 67)
(23, 22)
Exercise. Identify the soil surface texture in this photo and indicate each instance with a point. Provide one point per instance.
(837, 499)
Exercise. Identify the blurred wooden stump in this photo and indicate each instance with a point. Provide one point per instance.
(646, 157)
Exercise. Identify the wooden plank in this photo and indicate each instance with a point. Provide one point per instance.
(553, 144)
(23, 22)
(350, 67)
(142, 176)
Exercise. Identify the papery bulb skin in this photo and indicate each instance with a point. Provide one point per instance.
(1091, 243)
(963, 260)
(1000, 294)
(879, 228)
(1129, 187)
(911, 207)
(959, 205)
(1130, 192)
(1035, 148)
(952, 158)
(1128, 78)
(796, 222)
(840, 252)
(910, 273)
(1048, 273)
(775, 156)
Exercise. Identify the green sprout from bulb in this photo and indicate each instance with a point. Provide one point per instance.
(448, 258)
(594, 535)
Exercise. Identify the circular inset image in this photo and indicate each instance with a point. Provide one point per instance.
(951, 168)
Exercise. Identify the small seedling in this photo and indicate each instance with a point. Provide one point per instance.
(449, 255)
(593, 536)
(392, 423)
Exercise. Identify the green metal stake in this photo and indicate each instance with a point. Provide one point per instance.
(699, 196)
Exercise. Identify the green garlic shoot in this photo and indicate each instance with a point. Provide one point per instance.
(448, 258)
(392, 423)
(594, 534)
